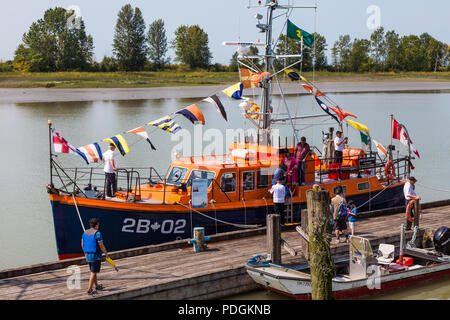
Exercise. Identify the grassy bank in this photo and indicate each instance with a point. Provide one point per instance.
(172, 78)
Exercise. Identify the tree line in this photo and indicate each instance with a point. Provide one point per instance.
(52, 44)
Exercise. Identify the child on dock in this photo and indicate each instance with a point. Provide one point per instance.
(352, 213)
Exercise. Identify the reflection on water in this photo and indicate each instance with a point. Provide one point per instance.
(26, 226)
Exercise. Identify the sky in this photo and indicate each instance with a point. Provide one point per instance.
(230, 20)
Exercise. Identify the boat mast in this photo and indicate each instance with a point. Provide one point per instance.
(266, 83)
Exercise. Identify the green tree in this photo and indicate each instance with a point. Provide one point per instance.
(157, 44)
(52, 44)
(359, 60)
(341, 53)
(392, 40)
(411, 54)
(435, 52)
(191, 46)
(129, 45)
(378, 48)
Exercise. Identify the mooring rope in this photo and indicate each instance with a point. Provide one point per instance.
(79, 216)
(221, 221)
(370, 199)
(437, 189)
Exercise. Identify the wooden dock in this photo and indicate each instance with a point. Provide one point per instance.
(174, 271)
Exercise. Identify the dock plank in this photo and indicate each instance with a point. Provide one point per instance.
(170, 269)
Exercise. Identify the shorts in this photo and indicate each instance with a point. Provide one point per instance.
(340, 225)
(351, 225)
(95, 266)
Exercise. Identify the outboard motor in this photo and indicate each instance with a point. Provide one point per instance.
(441, 240)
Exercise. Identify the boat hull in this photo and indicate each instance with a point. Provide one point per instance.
(129, 225)
(301, 288)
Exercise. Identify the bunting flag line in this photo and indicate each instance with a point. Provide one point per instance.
(252, 108)
(365, 140)
(310, 89)
(235, 91)
(294, 76)
(342, 114)
(166, 123)
(91, 153)
(326, 109)
(141, 131)
(120, 143)
(214, 100)
(399, 133)
(193, 114)
(358, 126)
(60, 145)
(246, 78)
(296, 33)
(381, 150)
(257, 77)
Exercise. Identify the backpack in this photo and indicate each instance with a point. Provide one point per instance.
(342, 212)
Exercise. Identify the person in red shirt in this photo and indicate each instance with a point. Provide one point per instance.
(302, 150)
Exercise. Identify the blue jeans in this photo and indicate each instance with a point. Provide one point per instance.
(301, 171)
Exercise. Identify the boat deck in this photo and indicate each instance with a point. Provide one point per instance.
(182, 274)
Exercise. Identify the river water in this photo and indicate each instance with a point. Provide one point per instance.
(26, 226)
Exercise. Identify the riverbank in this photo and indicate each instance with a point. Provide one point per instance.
(37, 95)
(80, 80)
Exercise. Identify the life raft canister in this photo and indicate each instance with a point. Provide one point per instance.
(408, 210)
(89, 243)
(389, 170)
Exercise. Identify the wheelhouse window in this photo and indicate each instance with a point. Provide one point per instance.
(228, 182)
(177, 175)
(248, 180)
(263, 176)
(364, 186)
(344, 189)
(201, 174)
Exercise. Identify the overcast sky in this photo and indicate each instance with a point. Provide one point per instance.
(231, 19)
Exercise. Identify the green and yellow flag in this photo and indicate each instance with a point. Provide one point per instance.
(296, 33)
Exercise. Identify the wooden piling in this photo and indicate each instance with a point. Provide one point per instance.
(304, 230)
(416, 213)
(319, 229)
(274, 238)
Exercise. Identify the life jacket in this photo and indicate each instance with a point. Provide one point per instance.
(90, 243)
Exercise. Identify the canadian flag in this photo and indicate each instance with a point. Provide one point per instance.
(59, 144)
(399, 133)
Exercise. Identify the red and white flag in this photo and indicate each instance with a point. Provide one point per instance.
(399, 133)
(59, 144)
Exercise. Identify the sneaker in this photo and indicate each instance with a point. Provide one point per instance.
(92, 292)
(99, 287)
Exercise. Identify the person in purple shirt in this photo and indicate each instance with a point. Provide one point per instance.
(302, 150)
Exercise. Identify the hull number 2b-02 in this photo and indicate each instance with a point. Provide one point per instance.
(145, 226)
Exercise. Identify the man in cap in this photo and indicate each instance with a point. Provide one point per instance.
(410, 195)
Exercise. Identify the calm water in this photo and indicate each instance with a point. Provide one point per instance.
(26, 226)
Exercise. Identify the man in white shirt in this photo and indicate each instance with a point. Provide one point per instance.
(339, 144)
(110, 169)
(410, 195)
(279, 193)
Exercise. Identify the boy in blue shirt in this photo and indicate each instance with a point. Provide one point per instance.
(93, 247)
(352, 216)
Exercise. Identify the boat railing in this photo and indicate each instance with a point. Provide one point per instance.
(369, 164)
(91, 182)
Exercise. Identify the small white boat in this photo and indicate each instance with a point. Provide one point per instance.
(363, 273)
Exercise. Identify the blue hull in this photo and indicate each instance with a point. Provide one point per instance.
(124, 229)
